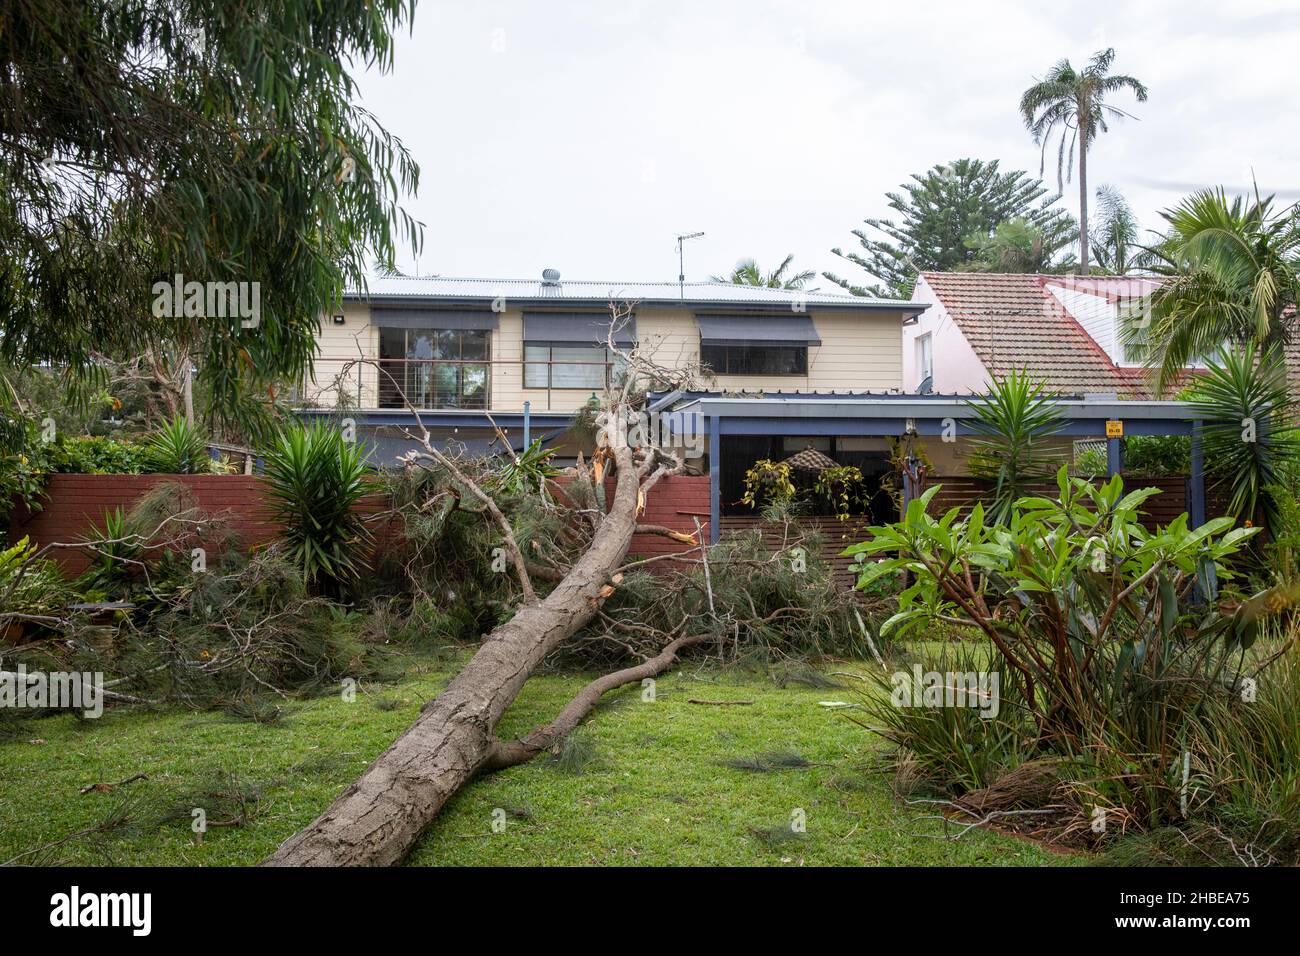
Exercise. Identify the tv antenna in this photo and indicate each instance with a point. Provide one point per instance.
(681, 261)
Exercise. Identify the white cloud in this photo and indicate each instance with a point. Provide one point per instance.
(586, 135)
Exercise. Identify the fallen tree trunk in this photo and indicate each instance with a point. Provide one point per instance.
(377, 820)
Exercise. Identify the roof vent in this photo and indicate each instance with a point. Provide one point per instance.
(550, 277)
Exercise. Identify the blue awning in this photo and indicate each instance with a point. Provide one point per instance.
(433, 319)
(757, 330)
(576, 328)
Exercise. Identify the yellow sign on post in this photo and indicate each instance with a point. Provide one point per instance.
(1114, 429)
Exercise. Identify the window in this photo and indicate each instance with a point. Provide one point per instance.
(434, 368)
(755, 359)
(925, 356)
(545, 366)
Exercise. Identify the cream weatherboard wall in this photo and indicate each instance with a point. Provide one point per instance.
(860, 351)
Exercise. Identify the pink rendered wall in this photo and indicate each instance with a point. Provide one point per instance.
(956, 366)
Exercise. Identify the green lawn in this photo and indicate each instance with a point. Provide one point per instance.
(655, 793)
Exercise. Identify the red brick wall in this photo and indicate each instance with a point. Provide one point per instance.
(74, 504)
(673, 503)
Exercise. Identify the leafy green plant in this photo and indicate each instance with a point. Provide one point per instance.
(31, 588)
(23, 471)
(1091, 463)
(178, 448)
(1248, 430)
(1011, 424)
(1092, 614)
(97, 455)
(117, 546)
(839, 489)
(767, 482)
(315, 479)
(1157, 456)
(1282, 552)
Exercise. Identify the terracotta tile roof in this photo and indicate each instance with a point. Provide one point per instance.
(1013, 322)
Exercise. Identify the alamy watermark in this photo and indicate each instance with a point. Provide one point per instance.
(208, 300)
(637, 429)
(130, 910)
(61, 690)
(977, 690)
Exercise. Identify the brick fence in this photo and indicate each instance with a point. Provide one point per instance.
(74, 505)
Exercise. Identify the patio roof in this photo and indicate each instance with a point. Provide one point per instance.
(876, 414)
(893, 415)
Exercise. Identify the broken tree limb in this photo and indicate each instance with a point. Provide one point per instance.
(660, 530)
(722, 703)
(509, 753)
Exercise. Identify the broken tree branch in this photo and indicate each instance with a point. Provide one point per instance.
(508, 754)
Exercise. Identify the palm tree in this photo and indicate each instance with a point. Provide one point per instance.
(747, 272)
(1233, 277)
(1114, 236)
(1018, 246)
(1075, 102)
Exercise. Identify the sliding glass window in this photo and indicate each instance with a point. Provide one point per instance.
(547, 366)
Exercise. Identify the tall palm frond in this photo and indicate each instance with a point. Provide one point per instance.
(747, 272)
(1073, 104)
(1232, 271)
(1115, 235)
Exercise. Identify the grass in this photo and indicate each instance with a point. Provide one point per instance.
(644, 783)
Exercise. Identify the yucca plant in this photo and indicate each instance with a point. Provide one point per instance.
(1013, 420)
(178, 448)
(316, 478)
(118, 548)
(1248, 430)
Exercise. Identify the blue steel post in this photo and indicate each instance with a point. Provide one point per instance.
(1114, 456)
(715, 479)
(1196, 483)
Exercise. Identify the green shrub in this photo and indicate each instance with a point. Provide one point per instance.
(316, 478)
(1157, 456)
(1090, 622)
(1091, 463)
(178, 448)
(97, 455)
(31, 588)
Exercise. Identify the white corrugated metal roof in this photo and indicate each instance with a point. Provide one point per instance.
(722, 293)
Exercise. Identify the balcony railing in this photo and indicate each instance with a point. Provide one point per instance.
(447, 384)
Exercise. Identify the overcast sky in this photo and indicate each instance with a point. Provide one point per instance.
(586, 135)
